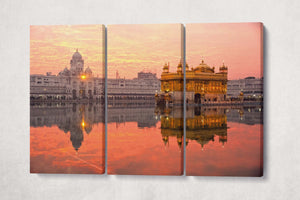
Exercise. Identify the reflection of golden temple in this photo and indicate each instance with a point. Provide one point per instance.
(171, 124)
(203, 85)
(202, 125)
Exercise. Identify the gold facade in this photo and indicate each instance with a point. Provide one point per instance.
(203, 84)
(171, 86)
(172, 81)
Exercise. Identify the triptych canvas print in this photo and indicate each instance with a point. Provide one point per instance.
(172, 94)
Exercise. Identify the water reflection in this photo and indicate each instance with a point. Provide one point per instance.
(224, 141)
(69, 138)
(142, 114)
(219, 140)
(171, 124)
(140, 140)
(204, 124)
(51, 124)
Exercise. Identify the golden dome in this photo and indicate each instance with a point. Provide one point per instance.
(203, 67)
(179, 67)
(223, 67)
(166, 66)
(179, 64)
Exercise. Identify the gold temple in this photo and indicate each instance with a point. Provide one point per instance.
(203, 84)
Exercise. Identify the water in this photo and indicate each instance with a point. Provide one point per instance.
(224, 141)
(219, 141)
(67, 138)
(146, 140)
(138, 144)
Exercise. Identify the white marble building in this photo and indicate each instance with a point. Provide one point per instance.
(75, 83)
(250, 87)
(142, 88)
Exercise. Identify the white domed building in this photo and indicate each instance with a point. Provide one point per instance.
(75, 83)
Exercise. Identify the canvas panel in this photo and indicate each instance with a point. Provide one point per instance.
(145, 97)
(224, 91)
(67, 99)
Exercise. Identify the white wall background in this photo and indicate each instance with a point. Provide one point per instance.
(282, 65)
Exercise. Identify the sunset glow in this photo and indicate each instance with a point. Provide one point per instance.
(132, 150)
(52, 47)
(238, 45)
(148, 47)
(240, 156)
(51, 151)
(135, 48)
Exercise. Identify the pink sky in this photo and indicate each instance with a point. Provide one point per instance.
(237, 44)
(144, 47)
(52, 47)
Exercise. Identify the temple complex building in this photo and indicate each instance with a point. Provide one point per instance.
(171, 90)
(75, 83)
(203, 84)
(249, 87)
(140, 89)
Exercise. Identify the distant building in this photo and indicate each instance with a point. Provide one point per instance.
(142, 88)
(147, 76)
(78, 83)
(249, 87)
(70, 84)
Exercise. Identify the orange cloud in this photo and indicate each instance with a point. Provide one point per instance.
(134, 48)
(52, 47)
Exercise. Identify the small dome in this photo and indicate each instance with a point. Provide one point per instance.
(179, 64)
(179, 67)
(223, 67)
(77, 55)
(66, 70)
(179, 142)
(76, 137)
(166, 66)
(88, 128)
(203, 67)
(165, 139)
(88, 71)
